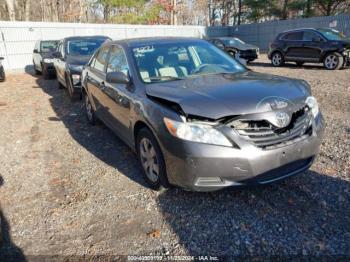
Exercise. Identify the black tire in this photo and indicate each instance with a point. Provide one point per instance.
(72, 95)
(60, 86)
(277, 59)
(333, 61)
(45, 73)
(160, 181)
(36, 71)
(299, 63)
(89, 111)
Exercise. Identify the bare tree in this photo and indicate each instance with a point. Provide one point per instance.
(11, 9)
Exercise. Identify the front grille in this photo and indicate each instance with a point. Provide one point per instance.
(263, 134)
(282, 171)
(247, 52)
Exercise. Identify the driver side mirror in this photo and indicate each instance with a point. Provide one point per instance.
(117, 78)
(35, 51)
(1, 58)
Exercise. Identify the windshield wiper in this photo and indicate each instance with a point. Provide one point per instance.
(159, 78)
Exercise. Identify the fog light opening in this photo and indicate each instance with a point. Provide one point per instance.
(209, 180)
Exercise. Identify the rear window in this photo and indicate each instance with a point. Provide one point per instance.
(293, 36)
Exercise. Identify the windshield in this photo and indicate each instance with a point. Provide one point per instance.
(233, 41)
(169, 62)
(333, 34)
(48, 46)
(84, 46)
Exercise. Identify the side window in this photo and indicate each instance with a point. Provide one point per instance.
(293, 36)
(117, 61)
(100, 59)
(311, 36)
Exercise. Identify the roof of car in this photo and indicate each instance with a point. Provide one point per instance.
(155, 40)
(299, 29)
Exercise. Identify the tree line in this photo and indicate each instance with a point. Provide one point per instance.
(182, 12)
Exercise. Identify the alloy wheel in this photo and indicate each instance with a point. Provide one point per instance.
(149, 159)
(277, 59)
(331, 61)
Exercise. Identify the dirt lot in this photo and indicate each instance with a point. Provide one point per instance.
(69, 188)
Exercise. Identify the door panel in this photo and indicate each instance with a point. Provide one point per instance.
(294, 44)
(96, 83)
(312, 45)
(117, 96)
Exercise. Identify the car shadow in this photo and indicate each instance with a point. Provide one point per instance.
(29, 69)
(8, 250)
(98, 139)
(305, 215)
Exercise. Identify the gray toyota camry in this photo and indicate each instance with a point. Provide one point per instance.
(197, 118)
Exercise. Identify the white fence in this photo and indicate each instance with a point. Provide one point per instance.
(17, 39)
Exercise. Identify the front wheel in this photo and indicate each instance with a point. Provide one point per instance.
(151, 160)
(333, 61)
(36, 71)
(299, 63)
(73, 95)
(277, 59)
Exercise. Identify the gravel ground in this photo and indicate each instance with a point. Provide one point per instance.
(71, 189)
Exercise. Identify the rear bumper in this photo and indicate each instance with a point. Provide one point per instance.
(203, 167)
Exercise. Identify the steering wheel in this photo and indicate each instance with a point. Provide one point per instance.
(210, 68)
(200, 69)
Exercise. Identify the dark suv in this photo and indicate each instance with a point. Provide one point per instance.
(324, 45)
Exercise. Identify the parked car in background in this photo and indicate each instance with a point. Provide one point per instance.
(234, 46)
(323, 45)
(197, 118)
(42, 57)
(71, 56)
(2, 70)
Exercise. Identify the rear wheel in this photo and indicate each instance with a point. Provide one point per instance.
(151, 160)
(333, 61)
(90, 113)
(277, 59)
(45, 73)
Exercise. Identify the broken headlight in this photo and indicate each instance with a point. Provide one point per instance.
(201, 133)
(313, 105)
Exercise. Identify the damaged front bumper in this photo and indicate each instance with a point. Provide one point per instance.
(204, 167)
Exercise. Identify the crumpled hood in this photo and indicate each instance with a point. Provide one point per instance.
(222, 95)
(241, 46)
(77, 60)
